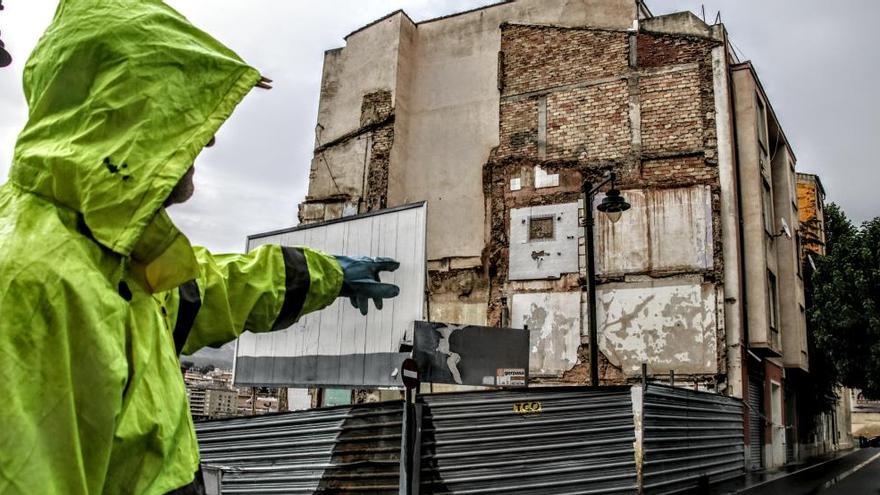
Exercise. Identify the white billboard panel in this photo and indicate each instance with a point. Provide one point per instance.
(338, 346)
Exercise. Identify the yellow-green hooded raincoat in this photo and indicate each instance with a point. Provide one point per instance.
(98, 289)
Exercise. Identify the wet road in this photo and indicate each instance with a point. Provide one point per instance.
(863, 478)
(855, 474)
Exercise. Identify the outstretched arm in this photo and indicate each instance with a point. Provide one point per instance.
(269, 288)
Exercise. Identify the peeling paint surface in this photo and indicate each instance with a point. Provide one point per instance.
(554, 321)
(669, 324)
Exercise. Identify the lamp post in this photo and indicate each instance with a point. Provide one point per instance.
(612, 205)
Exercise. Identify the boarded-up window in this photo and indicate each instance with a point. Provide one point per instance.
(541, 228)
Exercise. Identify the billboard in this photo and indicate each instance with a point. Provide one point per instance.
(339, 347)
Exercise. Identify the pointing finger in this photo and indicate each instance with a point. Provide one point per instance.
(386, 264)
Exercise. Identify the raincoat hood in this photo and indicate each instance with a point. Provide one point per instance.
(122, 96)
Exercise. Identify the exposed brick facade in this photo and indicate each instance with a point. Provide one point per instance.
(539, 57)
(673, 170)
(671, 112)
(589, 123)
(578, 103)
(519, 130)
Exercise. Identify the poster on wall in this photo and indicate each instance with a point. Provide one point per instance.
(471, 354)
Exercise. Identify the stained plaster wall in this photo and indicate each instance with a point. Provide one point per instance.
(532, 259)
(553, 320)
(664, 231)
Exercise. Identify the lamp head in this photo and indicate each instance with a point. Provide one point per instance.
(613, 205)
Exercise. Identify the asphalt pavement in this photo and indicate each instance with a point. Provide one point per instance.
(863, 478)
(853, 473)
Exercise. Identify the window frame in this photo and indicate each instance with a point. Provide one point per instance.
(773, 301)
(767, 207)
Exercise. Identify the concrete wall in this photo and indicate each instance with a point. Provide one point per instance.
(369, 62)
(757, 243)
(792, 306)
(767, 247)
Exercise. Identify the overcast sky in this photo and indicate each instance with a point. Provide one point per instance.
(816, 60)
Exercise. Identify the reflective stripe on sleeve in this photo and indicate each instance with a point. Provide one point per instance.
(296, 281)
(187, 309)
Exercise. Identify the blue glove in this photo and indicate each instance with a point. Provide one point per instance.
(361, 281)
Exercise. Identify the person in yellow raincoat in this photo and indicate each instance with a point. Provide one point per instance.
(99, 292)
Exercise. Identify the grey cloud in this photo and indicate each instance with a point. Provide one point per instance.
(813, 58)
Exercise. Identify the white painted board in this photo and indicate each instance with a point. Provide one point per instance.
(338, 346)
(547, 257)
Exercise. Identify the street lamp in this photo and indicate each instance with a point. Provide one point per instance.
(612, 205)
(5, 57)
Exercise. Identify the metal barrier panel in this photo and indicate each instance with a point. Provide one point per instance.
(330, 450)
(555, 440)
(690, 439)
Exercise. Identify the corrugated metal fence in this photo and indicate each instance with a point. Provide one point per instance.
(555, 440)
(546, 440)
(689, 438)
(331, 450)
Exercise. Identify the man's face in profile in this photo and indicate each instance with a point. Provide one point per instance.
(185, 186)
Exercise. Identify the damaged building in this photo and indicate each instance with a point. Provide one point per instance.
(495, 117)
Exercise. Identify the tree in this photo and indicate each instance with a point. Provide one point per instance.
(844, 309)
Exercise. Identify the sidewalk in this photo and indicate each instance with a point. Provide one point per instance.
(795, 478)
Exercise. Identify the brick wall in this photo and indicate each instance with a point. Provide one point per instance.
(519, 128)
(589, 123)
(658, 50)
(538, 57)
(671, 112)
(673, 170)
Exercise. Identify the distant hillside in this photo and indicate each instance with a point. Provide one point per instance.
(220, 358)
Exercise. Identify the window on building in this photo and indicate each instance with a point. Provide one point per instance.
(803, 330)
(799, 255)
(767, 205)
(774, 301)
(762, 124)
